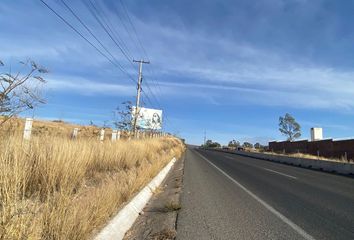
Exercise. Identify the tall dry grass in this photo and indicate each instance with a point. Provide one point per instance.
(54, 128)
(308, 156)
(57, 188)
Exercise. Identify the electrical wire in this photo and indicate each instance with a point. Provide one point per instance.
(88, 41)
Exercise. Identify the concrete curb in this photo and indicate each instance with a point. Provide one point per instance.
(126, 217)
(321, 165)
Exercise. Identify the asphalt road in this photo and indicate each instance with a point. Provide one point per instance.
(226, 196)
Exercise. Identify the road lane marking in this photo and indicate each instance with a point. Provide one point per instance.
(267, 169)
(298, 229)
(283, 174)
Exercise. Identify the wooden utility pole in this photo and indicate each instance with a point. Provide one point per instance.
(140, 79)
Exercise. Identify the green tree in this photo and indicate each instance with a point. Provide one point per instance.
(234, 143)
(289, 127)
(247, 145)
(209, 143)
(258, 146)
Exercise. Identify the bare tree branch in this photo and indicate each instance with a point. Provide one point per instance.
(20, 92)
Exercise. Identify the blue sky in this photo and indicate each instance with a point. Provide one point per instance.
(228, 67)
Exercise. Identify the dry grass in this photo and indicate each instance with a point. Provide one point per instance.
(57, 188)
(53, 128)
(172, 206)
(166, 234)
(309, 156)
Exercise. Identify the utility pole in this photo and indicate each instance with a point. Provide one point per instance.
(140, 79)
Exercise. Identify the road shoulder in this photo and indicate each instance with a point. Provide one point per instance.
(158, 219)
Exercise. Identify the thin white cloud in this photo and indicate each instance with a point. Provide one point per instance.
(222, 64)
(88, 87)
(198, 57)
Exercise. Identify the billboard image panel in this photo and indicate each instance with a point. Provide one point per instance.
(148, 118)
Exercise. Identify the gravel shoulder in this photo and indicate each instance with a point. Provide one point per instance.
(159, 217)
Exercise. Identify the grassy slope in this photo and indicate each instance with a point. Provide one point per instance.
(57, 188)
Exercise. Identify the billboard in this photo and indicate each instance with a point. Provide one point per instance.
(148, 118)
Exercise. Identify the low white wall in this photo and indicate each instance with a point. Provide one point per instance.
(323, 165)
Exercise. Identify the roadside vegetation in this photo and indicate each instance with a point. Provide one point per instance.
(249, 147)
(53, 187)
(309, 156)
(289, 127)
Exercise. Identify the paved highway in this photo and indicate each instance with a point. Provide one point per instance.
(226, 196)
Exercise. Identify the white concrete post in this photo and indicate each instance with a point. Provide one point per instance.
(138, 134)
(118, 135)
(114, 135)
(102, 134)
(75, 133)
(28, 129)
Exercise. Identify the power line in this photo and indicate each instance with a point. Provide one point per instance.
(147, 97)
(152, 93)
(114, 62)
(138, 40)
(144, 52)
(126, 28)
(92, 34)
(95, 12)
(134, 29)
(88, 41)
(113, 31)
(110, 28)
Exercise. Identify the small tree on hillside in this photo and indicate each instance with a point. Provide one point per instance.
(20, 91)
(289, 127)
(123, 116)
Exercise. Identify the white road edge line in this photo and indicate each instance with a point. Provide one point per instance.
(298, 229)
(283, 174)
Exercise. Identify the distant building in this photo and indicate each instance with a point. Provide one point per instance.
(316, 134)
